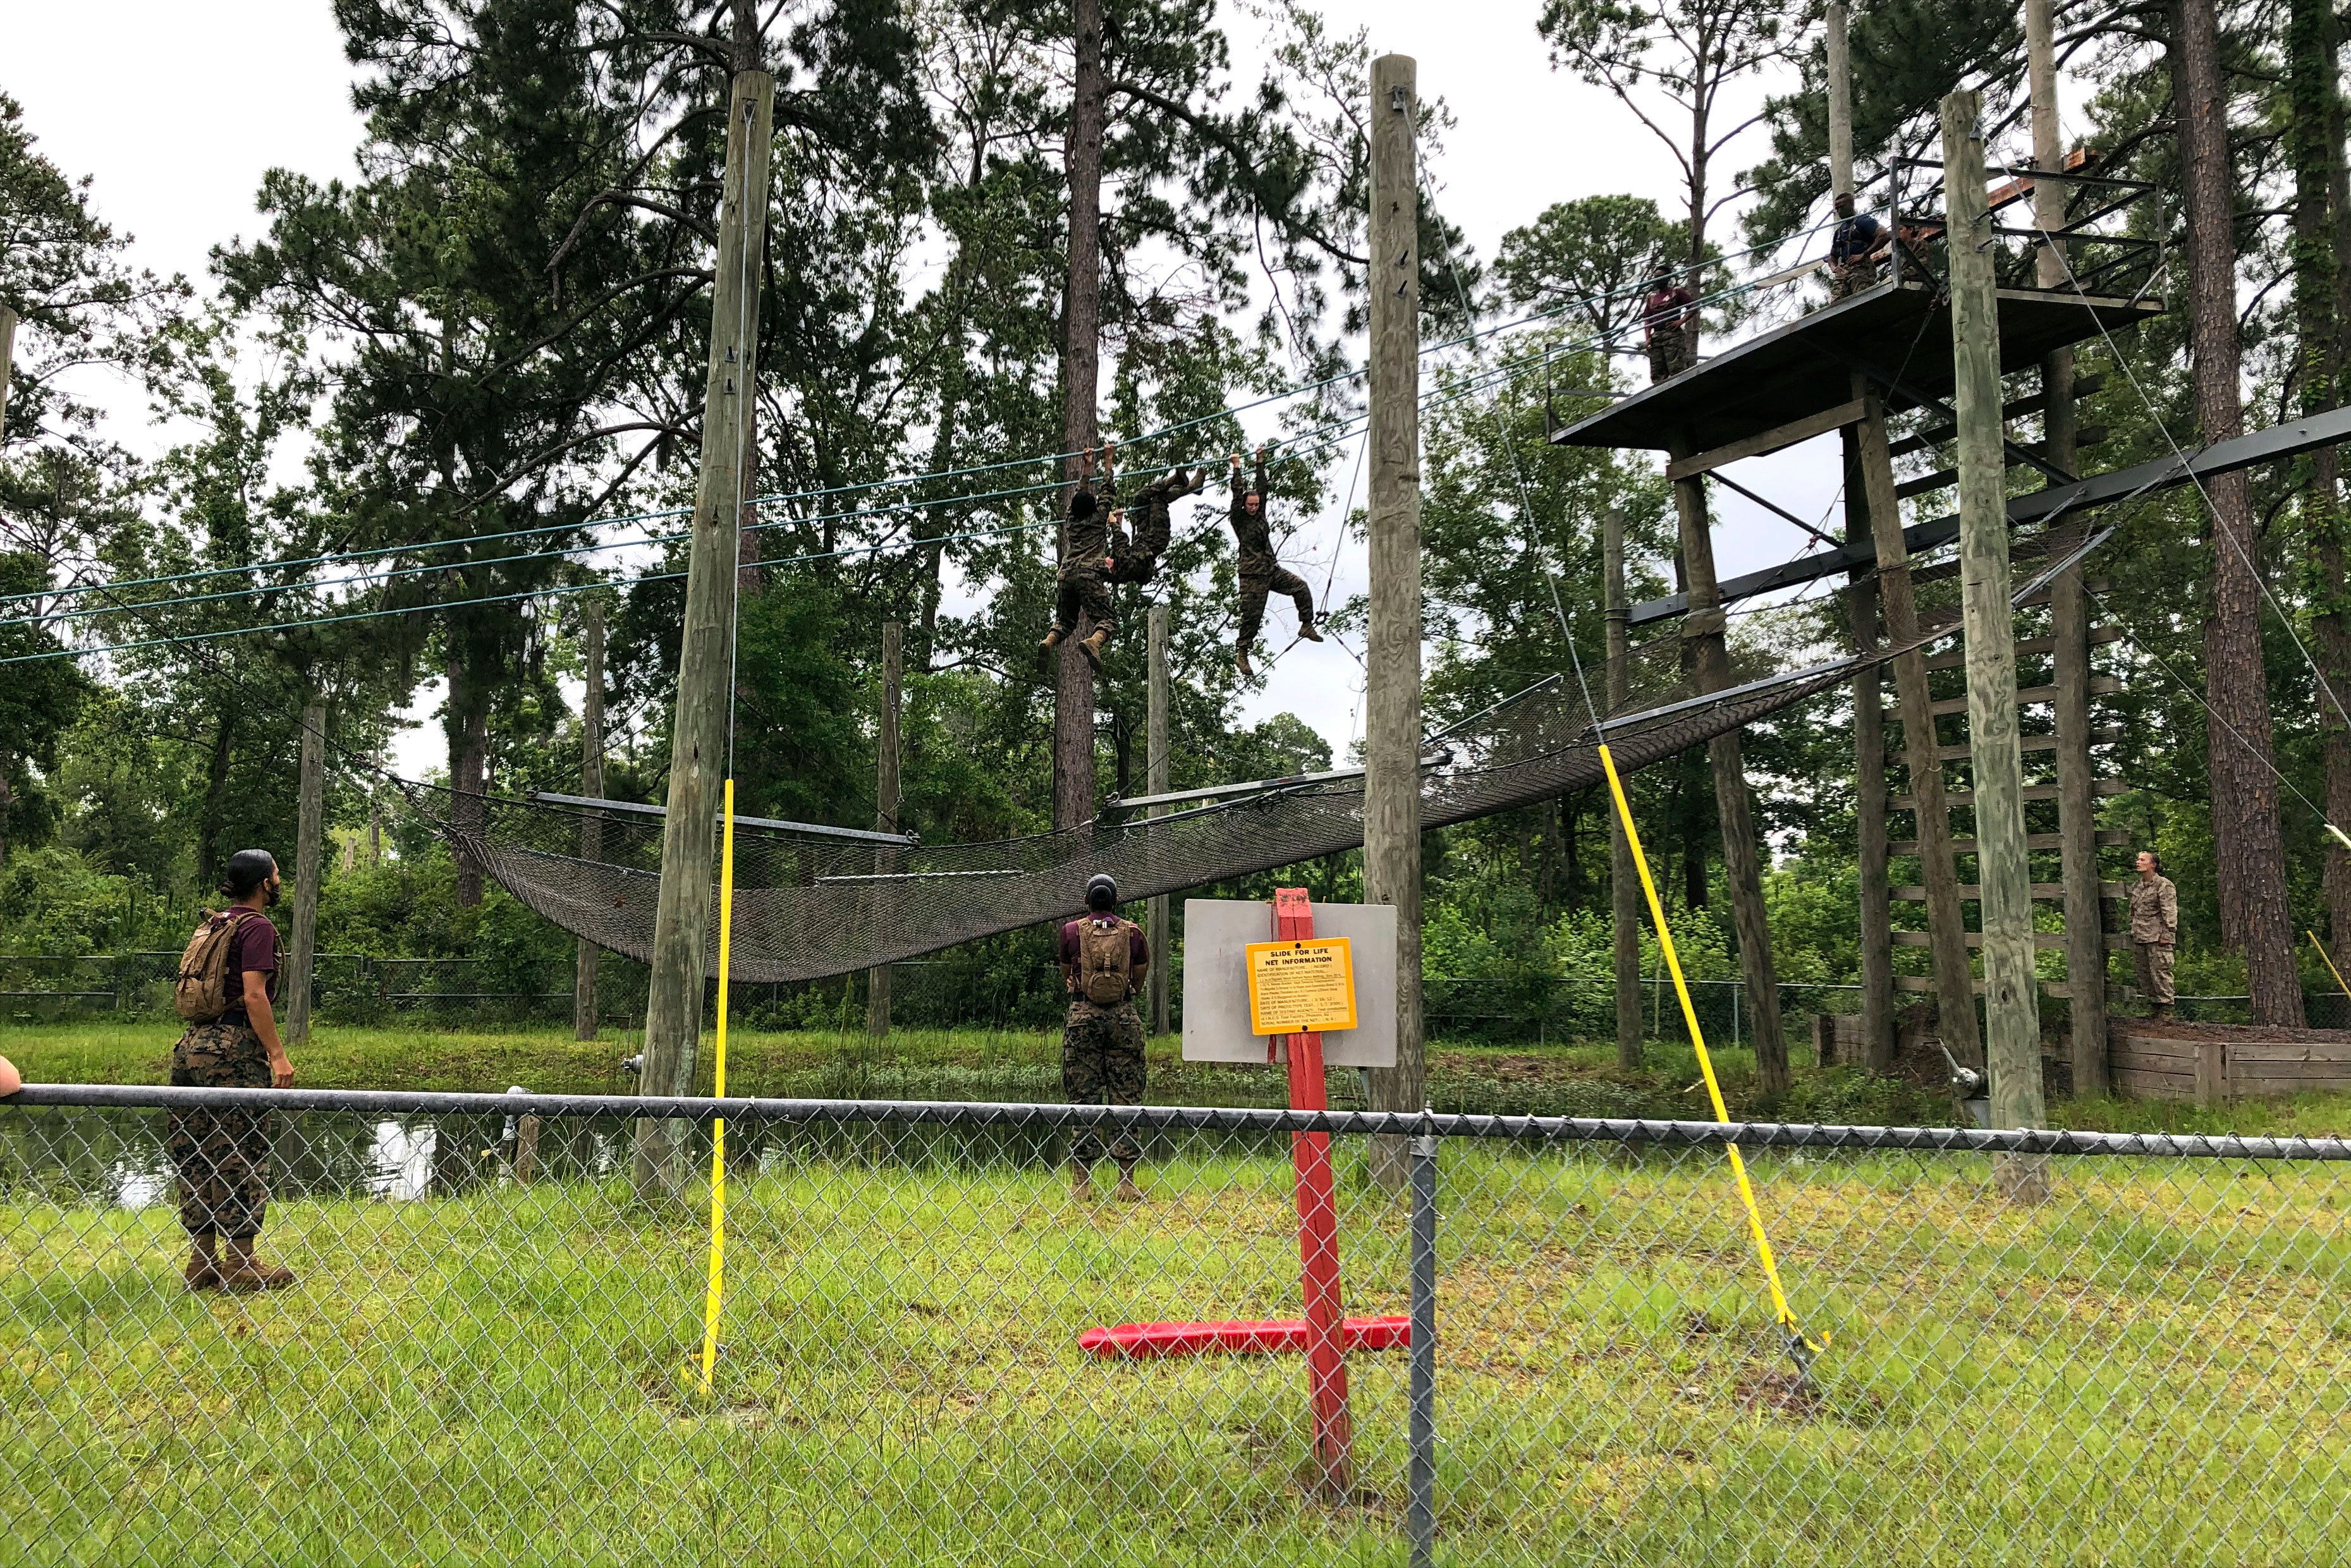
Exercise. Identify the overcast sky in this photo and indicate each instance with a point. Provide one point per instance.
(186, 106)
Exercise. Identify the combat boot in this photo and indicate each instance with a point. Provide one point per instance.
(1092, 645)
(203, 1272)
(1306, 629)
(245, 1272)
(2162, 1013)
(1241, 663)
(1053, 642)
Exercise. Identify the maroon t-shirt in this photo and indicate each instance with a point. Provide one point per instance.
(253, 947)
(1138, 946)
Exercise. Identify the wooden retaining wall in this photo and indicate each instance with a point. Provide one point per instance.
(2210, 1067)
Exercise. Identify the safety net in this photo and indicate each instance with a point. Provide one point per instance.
(807, 908)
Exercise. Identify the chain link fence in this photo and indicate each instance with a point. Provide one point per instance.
(2040, 1347)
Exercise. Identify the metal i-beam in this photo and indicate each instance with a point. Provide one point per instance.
(814, 830)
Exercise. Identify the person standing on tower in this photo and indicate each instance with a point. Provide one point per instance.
(1260, 573)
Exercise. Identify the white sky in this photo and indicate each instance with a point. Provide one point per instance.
(187, 105)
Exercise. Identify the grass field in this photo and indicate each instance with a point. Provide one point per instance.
(981, 1064)
(2151, 1367)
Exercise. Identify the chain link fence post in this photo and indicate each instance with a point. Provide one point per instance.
(1421, 1510)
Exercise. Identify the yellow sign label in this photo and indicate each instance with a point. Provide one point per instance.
(1301, 988)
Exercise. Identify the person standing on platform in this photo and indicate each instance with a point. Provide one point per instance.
(1855, 249)
(222, 1157)
(1664, 326)
(2155, 932)
(1105, 960)
(1260, 573)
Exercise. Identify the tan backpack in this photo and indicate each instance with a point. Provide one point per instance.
(1105, 962)
(200, 994)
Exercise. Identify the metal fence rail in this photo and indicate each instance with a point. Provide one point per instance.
(2041, 1346)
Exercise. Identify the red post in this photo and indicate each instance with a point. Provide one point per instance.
(1318, 1231)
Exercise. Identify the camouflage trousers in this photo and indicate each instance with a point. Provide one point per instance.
(1081, 587)
(222, 1157)
(1260, 579)
(1101, 1064)
(2154, 972)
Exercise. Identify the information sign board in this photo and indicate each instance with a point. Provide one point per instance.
(1296, 988)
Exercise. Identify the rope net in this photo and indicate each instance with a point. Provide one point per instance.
(809, 908)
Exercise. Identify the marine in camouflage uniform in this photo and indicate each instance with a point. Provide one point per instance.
(1083, 584)
(1102, 1042)
(222, 1156)
(1260, 573)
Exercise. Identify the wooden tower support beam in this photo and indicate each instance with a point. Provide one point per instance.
(2069, 604)
(1392, 728)
(310, 866)
(2011, 993)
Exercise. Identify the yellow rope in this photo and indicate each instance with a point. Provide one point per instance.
(719, 1126)
(2327, 961)
(1801, 1348)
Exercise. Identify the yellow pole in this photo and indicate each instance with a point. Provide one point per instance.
(2327, 961)
(1800, 1347)
(719, 1126)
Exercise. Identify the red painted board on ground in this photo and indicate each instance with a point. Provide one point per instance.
(1262, 1337)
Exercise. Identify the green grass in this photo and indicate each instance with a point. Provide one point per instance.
(2148, 1368)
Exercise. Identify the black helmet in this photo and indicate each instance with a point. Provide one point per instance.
(1101, 891)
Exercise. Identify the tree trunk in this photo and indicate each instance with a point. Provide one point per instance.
(2314, 151)
(1623, 876)
(7, 804)
(468, 728)
(1073, 685)
(591, 823)
(1743, 852)
(2245, 828)
(310, 866)
(209, 857)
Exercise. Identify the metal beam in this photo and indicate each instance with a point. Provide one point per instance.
(2332, 428)
(1895, 384)
(812, 829)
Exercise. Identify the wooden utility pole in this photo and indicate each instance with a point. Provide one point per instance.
(1955, 1002)
(1871, 841)
(699, 744)
(310, 863)
(885, 806)
(1840, 85)
(1392, 728)
(1624, 880)
(592, 826)
(2012, 992)
(1157, 773)
(2069, 602)
(1704, 632)
(1081, 158)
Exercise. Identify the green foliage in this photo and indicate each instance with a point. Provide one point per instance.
(53, 900)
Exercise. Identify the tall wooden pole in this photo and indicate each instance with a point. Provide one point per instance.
(1073, 675)
(1703, 634)
(1870, 834)
(885, 805)
(1392, 728)
(1624, 880)
(592, 826)
(2011, 994)
(309, 860)
(698, 743)
(1158, 774)
(1955, 1002)
(1871, 837)
(2069, 604)
(1840, 85)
